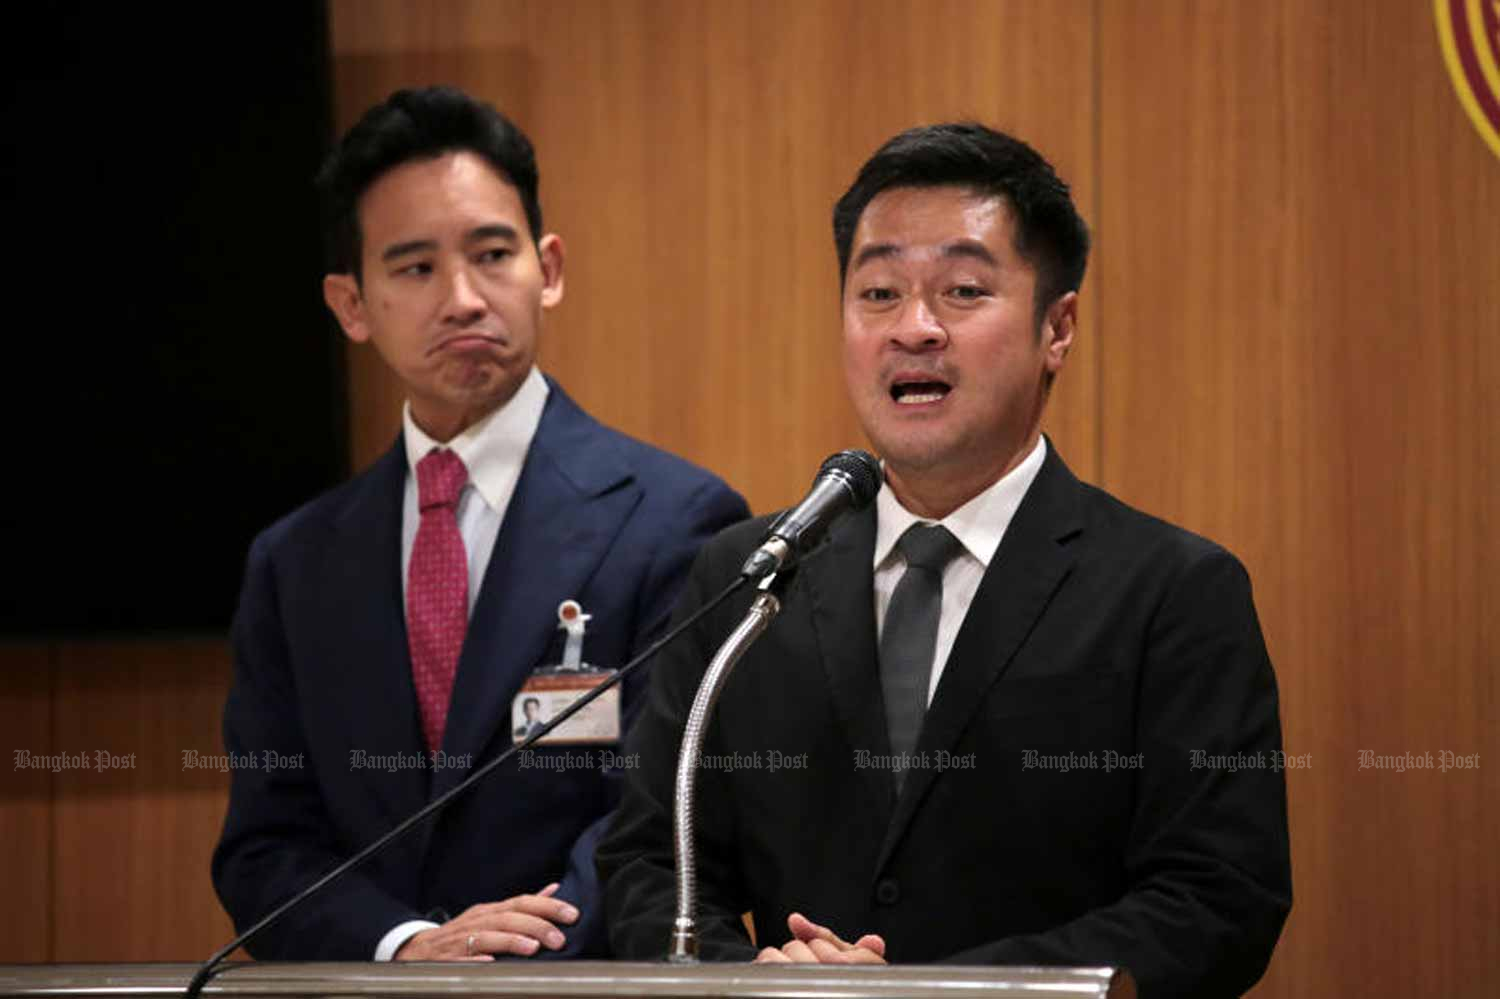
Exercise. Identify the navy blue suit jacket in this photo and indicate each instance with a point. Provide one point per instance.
(322, 674)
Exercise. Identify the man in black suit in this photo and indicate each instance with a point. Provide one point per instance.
(1043, 731)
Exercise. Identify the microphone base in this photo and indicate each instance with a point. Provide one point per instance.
(684, 946)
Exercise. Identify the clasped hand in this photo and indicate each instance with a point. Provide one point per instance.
(519, 925)
(814, 944)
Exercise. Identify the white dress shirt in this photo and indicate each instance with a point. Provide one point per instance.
(493, 450)
(979, 525)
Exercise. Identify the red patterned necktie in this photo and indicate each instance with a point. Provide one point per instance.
(437, 590)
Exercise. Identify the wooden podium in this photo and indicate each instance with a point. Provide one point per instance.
(255, 980)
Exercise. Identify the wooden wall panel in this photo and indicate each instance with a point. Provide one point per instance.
(26, 680)
(132, 843)
(691, 154)
(1300, 254)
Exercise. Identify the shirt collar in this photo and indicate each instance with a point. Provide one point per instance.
(493, 448)
(979, 524)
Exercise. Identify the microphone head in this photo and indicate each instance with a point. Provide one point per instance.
(860, 473)
(846, 481)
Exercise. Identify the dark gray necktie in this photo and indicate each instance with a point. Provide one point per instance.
(909, 637)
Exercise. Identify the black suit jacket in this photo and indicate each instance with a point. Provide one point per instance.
(323, 675)
(1097, 636)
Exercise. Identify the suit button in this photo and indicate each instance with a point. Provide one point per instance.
(888, 892)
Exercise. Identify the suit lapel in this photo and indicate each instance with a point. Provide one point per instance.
(572, 498)
(368, 658)
(1031, 563)
(841, 595)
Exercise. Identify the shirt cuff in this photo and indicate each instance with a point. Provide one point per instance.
(392, 941)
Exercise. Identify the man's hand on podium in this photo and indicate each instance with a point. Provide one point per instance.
(519, 925)
(814, 944)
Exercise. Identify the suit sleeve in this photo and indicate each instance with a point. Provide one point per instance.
(712, 507)
(1207, 857)
(636, 860)
(276, 839)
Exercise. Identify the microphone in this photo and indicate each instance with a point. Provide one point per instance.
(847, 480)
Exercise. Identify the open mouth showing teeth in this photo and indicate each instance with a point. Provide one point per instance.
(915, 393)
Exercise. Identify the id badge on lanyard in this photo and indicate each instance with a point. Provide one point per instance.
(549, 689)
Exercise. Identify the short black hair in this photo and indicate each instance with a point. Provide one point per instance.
(411, 125)
(1050, 235)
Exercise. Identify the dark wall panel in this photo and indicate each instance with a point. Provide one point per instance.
(173, 384)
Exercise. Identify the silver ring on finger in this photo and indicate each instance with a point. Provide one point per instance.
(469, 945)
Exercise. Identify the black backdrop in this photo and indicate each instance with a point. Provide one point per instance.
(172, 383)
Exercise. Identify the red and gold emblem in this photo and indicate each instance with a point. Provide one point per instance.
(1469, 31)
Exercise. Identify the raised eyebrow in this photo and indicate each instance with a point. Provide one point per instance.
(410, 246)
(498, 230)
(874, 251)
(972, 249)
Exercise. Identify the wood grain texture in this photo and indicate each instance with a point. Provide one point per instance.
(26, 867)
(132, 843)
(1300, 257)
(690, 156)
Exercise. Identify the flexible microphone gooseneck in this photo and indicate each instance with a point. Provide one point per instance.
(847, 481)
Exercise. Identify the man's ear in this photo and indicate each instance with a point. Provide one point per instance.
(551, 252)
(341, 293)
(1057, 331)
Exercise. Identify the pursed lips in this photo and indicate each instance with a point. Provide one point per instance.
(467, 341)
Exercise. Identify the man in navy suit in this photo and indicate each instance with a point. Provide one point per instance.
(1028, 724)
(386, 629)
